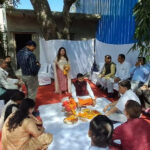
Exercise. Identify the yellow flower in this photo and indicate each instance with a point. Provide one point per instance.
(66, 69)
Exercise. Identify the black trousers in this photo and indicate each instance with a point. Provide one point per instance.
(7, 95)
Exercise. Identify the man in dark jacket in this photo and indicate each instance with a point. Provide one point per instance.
(30, 67)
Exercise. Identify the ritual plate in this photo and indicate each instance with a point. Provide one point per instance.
(71, 119)
(88, 113)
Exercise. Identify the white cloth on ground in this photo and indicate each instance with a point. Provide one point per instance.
(70, 136)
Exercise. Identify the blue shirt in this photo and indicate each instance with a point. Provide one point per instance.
(140, 73)
(27, 61)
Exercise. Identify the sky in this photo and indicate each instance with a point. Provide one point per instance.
(55, 5)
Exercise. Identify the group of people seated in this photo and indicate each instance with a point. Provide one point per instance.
(112, 74)
(21, 130)
(132, 135)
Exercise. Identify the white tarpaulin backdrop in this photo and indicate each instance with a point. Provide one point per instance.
(102, 49)
(80, 53)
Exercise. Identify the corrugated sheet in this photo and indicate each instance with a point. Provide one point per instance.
(117, 24)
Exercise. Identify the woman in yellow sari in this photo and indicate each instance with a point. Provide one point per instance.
(22, 131)
(62, 72)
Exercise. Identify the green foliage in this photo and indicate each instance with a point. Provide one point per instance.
(142, 32)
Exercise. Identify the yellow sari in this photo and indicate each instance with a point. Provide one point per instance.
(25, 137)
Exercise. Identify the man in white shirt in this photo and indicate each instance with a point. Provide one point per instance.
(122, 73)
(82, 90)
(126, 94)
(6, 88)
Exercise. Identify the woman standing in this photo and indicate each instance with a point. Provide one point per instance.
(22, 131)
(61, 72)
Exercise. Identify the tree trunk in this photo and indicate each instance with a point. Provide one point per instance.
(66, 18)
(45, 19)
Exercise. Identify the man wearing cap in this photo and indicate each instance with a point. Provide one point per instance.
(30, 67)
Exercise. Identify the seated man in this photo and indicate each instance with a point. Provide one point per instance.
(108, 71)
(122, 73)
(126, 94)
(129, 132)
(11, 106)
(9, 69)
(139, 73)
(6, 88)
(82, 94)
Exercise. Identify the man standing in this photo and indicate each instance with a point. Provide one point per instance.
(30, 67)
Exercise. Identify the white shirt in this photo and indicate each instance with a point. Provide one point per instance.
(98, 148)
(123, 70)
(74, 95)
(128, 95)
(10, 102)
(4, 81)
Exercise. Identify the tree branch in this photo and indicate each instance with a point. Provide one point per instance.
(45, 19)
(66, 18)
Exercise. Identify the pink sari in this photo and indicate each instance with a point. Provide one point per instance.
(62, 82)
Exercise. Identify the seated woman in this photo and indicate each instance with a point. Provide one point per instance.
(11, 106)
(22, 131)
(128, 133)
(100, 132)
(126, 94)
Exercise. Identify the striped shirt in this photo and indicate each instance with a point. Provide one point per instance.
(27, 61)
